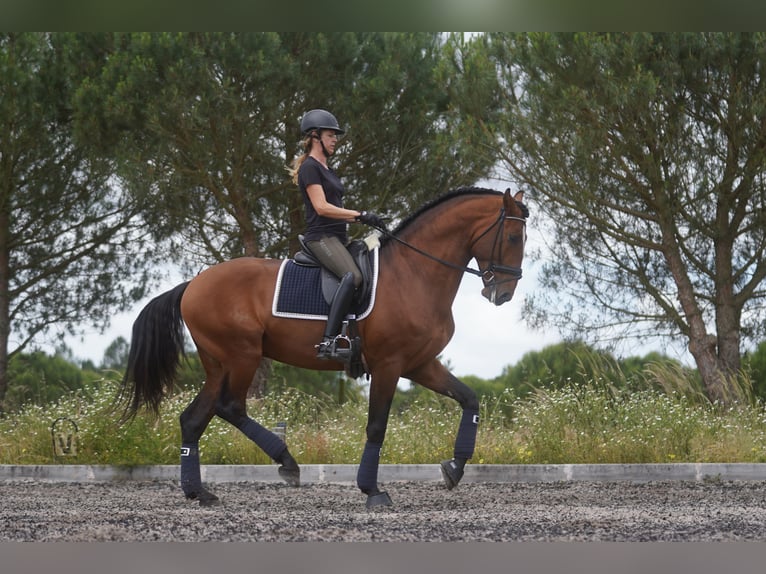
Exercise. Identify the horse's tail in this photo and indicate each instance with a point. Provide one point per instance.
(156, 347)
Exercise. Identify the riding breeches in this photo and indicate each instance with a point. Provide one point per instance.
(333, 254)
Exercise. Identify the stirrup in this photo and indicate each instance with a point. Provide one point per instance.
(328, 349)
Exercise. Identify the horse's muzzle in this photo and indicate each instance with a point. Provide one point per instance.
(496, 296)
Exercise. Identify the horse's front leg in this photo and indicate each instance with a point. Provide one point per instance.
(436, 377)
(382, 390)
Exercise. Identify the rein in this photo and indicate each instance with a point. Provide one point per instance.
(488, 274)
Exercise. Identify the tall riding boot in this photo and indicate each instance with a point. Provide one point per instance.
(341, 303)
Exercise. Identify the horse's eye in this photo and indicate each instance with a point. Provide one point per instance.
(515, 239)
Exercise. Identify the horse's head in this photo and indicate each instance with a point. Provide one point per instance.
(500, 250)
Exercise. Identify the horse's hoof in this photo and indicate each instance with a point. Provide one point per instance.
(209, 500)
(205, 498)
(451, 473)
(379, 499)
(292, 476)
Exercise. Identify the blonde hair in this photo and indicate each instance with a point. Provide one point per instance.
(298, 161)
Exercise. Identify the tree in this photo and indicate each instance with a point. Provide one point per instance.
(71, 250)
(39, 379)
(646, 152)
(116, 355)
(219, 125)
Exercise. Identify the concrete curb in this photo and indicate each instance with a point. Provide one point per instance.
(346, 473)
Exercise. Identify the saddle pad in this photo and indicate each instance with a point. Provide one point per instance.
(298, 292)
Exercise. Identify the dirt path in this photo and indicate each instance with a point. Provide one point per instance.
(422, 511)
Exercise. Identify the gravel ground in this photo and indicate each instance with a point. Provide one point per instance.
(423, 511)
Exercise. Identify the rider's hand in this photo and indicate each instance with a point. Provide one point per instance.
(371, 219)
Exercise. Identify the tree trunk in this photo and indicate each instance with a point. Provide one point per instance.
(260, 378)
(717, 384)
(717, 358)
(5, 319)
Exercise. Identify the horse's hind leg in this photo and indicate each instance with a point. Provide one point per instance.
(194, 420)
(231, 407)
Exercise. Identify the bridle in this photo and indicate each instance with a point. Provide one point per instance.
(488, 275)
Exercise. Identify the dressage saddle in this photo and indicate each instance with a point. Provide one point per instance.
(361, 255)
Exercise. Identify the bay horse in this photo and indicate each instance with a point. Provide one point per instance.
(227, 309)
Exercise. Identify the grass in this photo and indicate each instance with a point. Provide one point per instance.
(589, 423)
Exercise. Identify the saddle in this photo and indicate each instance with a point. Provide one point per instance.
(359, 251)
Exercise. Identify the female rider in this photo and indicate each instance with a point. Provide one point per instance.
(326, 219)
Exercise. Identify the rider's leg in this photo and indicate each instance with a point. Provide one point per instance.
(333, 255)
(341, 303)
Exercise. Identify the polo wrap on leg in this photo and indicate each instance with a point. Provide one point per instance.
(191, 482)
(465, 442)
(266, 440)
(367, 476)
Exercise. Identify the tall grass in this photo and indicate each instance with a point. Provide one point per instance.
(595, 422)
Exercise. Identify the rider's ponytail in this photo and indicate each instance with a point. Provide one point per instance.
(298, 161)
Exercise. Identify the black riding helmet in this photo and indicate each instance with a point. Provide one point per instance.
(320, 120)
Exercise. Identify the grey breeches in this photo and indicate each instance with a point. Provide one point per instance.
(333, 254)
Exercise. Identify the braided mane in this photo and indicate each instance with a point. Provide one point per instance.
(459, 192)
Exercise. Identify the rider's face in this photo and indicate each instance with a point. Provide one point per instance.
(329, 139)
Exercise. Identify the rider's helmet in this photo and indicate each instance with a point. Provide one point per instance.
(320, 120)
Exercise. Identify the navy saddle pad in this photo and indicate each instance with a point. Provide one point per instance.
(298, 292)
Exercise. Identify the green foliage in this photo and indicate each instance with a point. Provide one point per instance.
(40, 379)
(214, 116)
(72, 246)
(328, 385)
(581, 423)
(755, 364)
(641, 150)
(603, 424)
(116, 355)
(575, 362)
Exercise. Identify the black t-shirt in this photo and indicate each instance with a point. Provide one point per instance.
(312, 172)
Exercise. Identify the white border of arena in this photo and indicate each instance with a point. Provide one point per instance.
(346, 473)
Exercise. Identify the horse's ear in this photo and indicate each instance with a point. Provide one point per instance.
(511, 203)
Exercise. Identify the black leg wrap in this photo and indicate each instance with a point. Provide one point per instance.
(191, 483)
(367, 474)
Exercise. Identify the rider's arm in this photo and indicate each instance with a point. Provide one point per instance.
(326, 209)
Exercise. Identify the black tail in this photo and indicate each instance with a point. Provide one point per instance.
(156, 347)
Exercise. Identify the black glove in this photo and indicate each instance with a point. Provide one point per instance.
(371, 219)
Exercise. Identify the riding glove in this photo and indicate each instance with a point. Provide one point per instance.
(371, 219)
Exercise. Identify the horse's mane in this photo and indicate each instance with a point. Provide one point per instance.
(459, 192)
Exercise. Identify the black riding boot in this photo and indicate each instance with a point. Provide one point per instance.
(341, 303)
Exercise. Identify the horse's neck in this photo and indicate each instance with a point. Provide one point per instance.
(447, 245)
